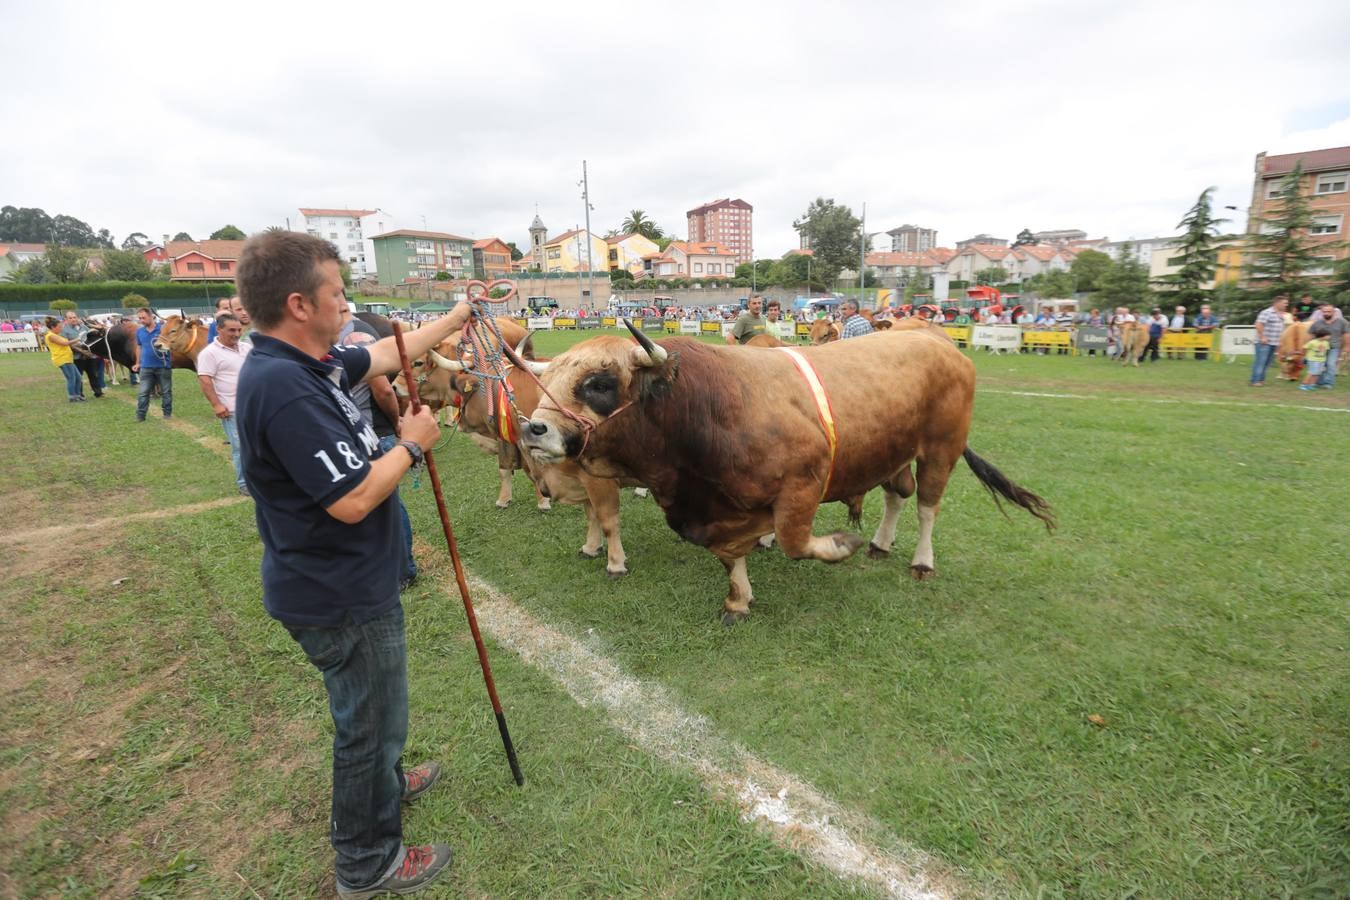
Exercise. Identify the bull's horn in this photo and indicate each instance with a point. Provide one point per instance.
(449, 365)
(520, 348)
(656, 355)
(538, 368)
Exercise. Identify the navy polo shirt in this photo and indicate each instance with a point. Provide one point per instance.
(305, 446)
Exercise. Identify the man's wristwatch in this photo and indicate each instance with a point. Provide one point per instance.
(414, 450)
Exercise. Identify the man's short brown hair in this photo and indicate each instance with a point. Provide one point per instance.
(276, 264)
(774, 304)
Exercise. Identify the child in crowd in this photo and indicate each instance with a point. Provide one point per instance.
(1315, 355)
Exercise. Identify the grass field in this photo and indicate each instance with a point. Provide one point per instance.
(1153, 701)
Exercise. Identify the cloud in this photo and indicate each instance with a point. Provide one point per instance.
(965, 117)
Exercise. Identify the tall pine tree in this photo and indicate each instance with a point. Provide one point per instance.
(1197, 251)
(1126, 282)
(1279, 253)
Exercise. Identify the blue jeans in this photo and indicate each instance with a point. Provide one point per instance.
(72, 376)
(409, 568)
(1328, 376)
(232, 435)
(365, 671)
(1264, 354)
(149, 378)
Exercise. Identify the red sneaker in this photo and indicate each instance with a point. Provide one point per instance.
(419, 779)
(419, 868)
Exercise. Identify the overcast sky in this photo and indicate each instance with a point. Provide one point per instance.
(964, 117)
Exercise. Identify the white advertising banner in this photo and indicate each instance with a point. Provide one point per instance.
(539, 323)
(996, 337)
(726, 328)
(17, 340)
(689, 326)
(1238, 340)
(784, 331)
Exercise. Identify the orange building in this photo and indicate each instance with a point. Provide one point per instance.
(203, 260)
(1326, 184)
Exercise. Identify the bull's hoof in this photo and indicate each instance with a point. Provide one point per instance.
(766, 541)
(615, 576)
(848, 542)
(731, 617)
(584, 555)
(503, 504)
(875, 552)
(545, 505)
(922, 573)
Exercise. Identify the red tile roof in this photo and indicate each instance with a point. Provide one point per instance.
(709, 248)
(801, 251)
(1043, 252)
(884, 258)
(488, 242)
(358, 213)
(19, 247)
(942, 254)
(209, 249)
(1313, 161)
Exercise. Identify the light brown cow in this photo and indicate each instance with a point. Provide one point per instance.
(1133, 342)
(823, 331)
(1290, 350)
(432, 373)
(184, 339)
(730, 453)
(764, 340)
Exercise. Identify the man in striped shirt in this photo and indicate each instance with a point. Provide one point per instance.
(1269, 327)
(854, 324)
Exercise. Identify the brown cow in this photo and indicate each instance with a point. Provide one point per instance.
(567, 483)
(1133, 342)
(763, 340)
(730, 455)
(433, 373)
(184, 338)
(1290, 350)
(823, 331)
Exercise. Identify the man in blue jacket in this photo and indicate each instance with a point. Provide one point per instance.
(328, 518)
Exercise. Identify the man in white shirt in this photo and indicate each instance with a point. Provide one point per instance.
(218, 368)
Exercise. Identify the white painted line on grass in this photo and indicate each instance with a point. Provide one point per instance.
(797, 816)
(55, 531)
(1164, 400)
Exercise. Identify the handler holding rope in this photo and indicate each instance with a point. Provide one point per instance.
(331, 538)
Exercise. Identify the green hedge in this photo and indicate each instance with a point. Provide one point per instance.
(110, 293)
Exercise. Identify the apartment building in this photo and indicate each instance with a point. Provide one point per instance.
(912, 239)
(408, 255)
(1326, 184)
(346, 230)
(491, 259)
(726, 222)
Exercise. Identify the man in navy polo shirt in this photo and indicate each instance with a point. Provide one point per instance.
(326, 511)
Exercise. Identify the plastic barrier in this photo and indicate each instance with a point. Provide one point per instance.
(539, 323)
(1186, 343)
(1238, 340)
(997, 338)
(672, 326)
(588, 322)
(803, 329)
(609, 321)
(1093, 337)
(17, 340)
(689, 326)
(710, 327)
(564, 322)
(960, 334)
(652, 325)
(1048, 340)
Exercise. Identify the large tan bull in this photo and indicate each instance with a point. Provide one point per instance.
(1133, 342)
(731, 453)
(1290, 350)
(183, 338)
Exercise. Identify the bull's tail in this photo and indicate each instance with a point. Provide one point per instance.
(1000, 485)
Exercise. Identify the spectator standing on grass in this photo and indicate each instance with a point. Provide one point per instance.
(63, 358)
(1177, 325)
(1269, 327)
(1204, 324)
(1329, 317)
(86, 363)
(218, 367)
(749, 323)
(1304, 309)
(1157, 324)
(222, 307)
(152, 366)
(326, 514)
(1315, 355)
(854, 324)
(379, 408)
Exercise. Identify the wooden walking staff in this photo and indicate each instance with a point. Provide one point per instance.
(459, 567)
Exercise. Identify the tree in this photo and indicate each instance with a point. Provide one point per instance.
(991, 275)
(1125, 283)
(515, 251)
(1197, 253)
(918, 283)
(126, 265)
(791, 271)
(62, 304)
(833, 233)
(228, 233)
(621, 275)
(135, 301)
(442, 276)
(135, 241)
(344, 267)
(1088, 268)
(26, 225)
(182, 236)
(1279, 253)
(31, 272)
(64, 264)
(69, 231)
(1024, 237)
(638, 223)
(1055, 284)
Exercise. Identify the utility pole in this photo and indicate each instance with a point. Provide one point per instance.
(586, 200)
(862, 258)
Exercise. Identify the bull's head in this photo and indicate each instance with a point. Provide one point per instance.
(176, 336)
(591, 382)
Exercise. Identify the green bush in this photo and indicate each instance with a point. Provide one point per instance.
(134, 301)
(108, 292)
(62, 304)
